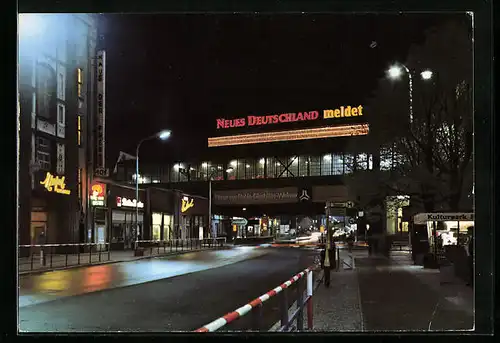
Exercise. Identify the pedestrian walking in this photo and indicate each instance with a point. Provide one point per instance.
(331, 258)
(350, 242)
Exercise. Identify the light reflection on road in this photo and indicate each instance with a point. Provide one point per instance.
(49, 286)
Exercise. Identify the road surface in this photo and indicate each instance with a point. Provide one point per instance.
(121, 298)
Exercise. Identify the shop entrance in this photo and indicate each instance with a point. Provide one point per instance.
(122, 232)
(38, 226)
(100, 226)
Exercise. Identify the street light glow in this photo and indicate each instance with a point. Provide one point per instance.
(426, 74)
(30, 25)
(164, 134)
(395, 72)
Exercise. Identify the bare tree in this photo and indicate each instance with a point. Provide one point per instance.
(429, 158)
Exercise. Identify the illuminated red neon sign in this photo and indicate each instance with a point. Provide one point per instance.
(342, 112)
(266, 120)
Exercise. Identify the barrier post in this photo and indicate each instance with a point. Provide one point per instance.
(310, 299)
(99, 248)
(41, 256)
(78, 255)
(109, 251)
(257, 317)
(300, 304)
(90, 253)
(66, 263)
(338, 258)
(284, 309)
(32, 255)
(51, 253)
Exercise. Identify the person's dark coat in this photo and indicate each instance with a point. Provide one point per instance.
(471, 246)
(331, 257)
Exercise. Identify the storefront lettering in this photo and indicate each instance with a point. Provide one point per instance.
(186, 204)
(124, 202)
(449, 217)
(55, 184)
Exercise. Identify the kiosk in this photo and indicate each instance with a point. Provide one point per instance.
(450, 228)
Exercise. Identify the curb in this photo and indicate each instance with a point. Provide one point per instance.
(37, 272)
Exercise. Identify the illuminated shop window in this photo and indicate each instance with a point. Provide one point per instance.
(218, 172)
(250, 168)
(232, 170)
(194, 174)
(385, 159)
(178, 172)
(315, 166)
(348, 163)
(293, 169)
(271, 171)
(326, 164)
(281, 167)
(303, 166)
(337, 164)
(259, 168)
(240, 169)
(362, 161)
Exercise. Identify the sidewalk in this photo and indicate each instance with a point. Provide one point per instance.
(383, 294)
(75, 261)
(396, 296)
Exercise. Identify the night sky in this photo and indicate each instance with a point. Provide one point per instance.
(183, 71)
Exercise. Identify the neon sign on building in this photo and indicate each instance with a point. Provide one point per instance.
(97, 195)
(290, 135)
(124, 202)
(186, 204)
(342, 112)
(55, 184)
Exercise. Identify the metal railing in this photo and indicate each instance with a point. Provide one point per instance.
(179, 245)
(50, 256)
(54, 256)
(304, 283)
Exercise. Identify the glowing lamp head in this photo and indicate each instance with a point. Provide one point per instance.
(426, 74)
(395, 72)
(165, 134)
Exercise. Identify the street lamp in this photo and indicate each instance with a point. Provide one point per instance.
(396, 71)
(163, 135)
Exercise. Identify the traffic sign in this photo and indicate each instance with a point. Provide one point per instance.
(345, 204)
(337, 211)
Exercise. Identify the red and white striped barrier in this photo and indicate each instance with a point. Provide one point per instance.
(240, 312)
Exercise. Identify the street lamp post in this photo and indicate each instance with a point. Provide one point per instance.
(395, 72)
(163, 135)
(210, 173)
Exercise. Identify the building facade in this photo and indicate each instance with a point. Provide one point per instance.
(55, 86)
(160, 215)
